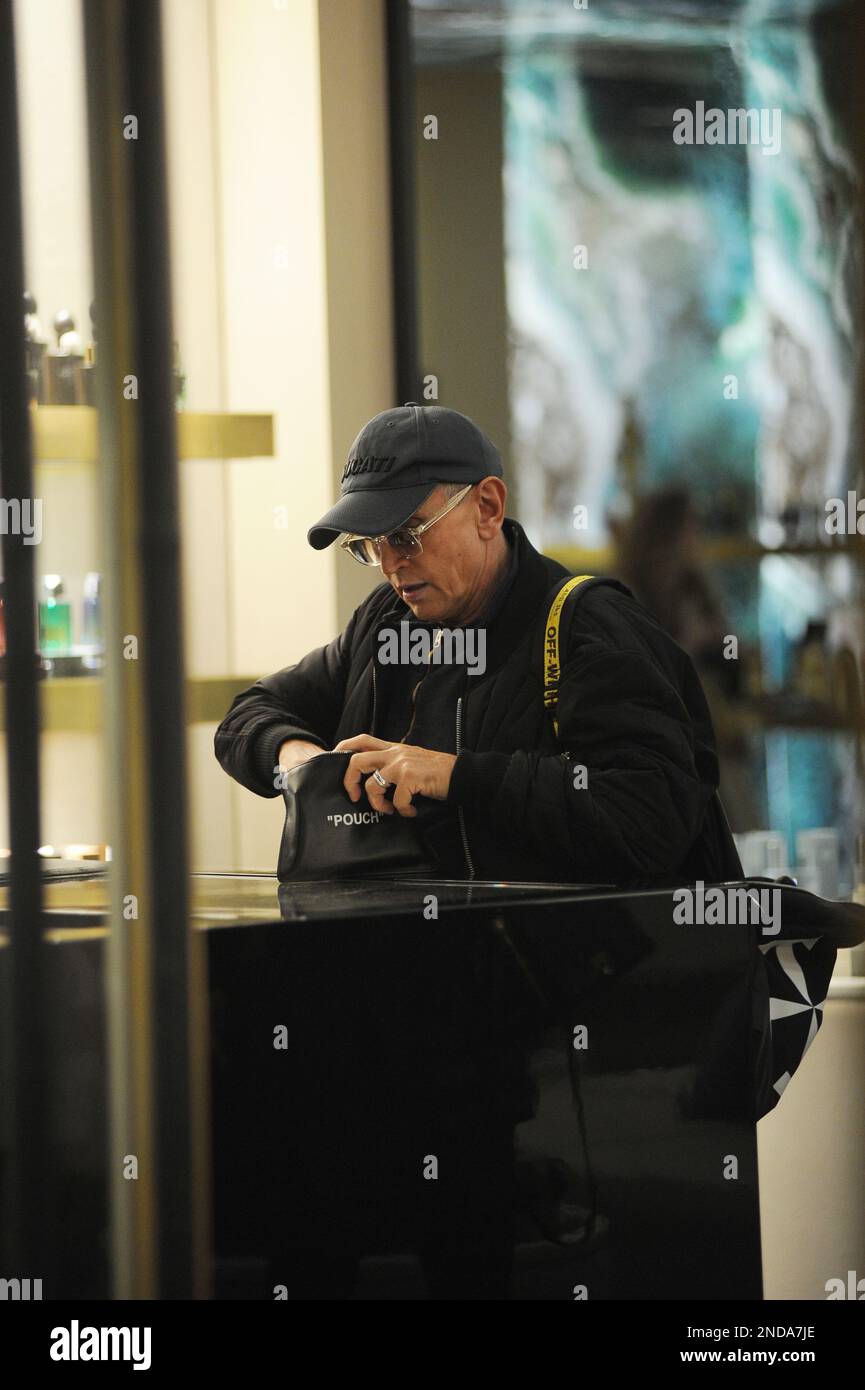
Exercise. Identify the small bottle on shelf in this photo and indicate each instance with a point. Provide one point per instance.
(55, 618)
(91, 623)
(35, 350)
(62, 380)
(87, 368)
(818, 857)
(809, 663)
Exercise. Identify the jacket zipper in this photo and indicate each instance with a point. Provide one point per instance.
(372, 725)
(469, 865)
(415, 690)
(413, 712)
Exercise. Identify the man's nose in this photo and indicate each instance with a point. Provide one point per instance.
(392, 561)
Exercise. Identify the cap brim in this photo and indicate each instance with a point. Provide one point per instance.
(368, 512)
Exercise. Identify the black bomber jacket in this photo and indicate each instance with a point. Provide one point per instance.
(631, 712)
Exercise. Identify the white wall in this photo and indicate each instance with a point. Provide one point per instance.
(286, 104)
(52, 133)
(276, 119)
(52, 130)
(810, 1151)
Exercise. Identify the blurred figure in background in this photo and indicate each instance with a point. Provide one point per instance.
(658, 557)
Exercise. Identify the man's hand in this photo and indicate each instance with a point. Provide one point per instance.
(294, 751)
(413, 772)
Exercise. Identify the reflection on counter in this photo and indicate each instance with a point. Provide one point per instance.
(526, 1097)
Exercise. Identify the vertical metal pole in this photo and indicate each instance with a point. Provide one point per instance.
(25, 1023)
(155, 977)
(401, 116)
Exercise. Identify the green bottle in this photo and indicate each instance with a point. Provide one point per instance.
(55, 618)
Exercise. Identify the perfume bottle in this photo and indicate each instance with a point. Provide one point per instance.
(87, 369)
(62, 367)
(55, 617)
(91, 624)
(35, 350)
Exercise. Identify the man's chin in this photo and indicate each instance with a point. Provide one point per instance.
(426, 605)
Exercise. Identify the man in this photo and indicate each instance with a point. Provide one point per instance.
(624, 795)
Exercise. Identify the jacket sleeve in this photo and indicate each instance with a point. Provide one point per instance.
(627, 800)
(300, 701)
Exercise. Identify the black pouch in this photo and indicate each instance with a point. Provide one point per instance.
(326, 835)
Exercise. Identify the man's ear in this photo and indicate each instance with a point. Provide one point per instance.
(491, 497)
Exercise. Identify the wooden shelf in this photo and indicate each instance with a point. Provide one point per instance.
(584, 560)
(802, 715)
(782, 711)
(74, 704)
(69, 434)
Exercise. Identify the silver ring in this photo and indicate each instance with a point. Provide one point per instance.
(378, 777)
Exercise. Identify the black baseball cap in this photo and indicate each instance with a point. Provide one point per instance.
(397, 460)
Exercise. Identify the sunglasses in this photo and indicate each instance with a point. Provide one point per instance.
(405, 540)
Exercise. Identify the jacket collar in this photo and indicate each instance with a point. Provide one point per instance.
(535, 575)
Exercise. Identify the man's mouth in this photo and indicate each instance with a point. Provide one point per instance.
(411, 591)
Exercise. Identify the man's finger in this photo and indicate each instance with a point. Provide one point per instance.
(376, 794)
(359, 743)
(402, 799)
(359, 764)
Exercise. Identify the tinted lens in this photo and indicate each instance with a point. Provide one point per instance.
(364, 550)
(368, 551)
(403, 541)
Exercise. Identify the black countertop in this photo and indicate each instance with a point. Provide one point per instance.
(360, 1033)
(76, 895)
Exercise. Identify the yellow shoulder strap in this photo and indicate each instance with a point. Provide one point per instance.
(552, 667)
